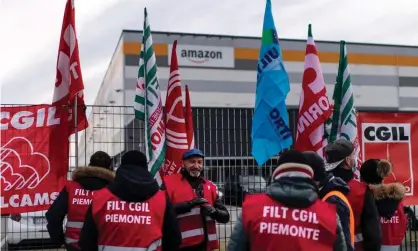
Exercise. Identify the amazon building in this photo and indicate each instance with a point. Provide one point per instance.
(221, 74)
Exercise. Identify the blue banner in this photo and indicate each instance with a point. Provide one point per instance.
(270, 129)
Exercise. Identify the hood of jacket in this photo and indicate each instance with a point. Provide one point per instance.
(387, 197)
(93, 177)
(294, 192)
(332, 183)
(133, 184)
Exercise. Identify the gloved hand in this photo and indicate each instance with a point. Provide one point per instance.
(209, 210)
(197, 202)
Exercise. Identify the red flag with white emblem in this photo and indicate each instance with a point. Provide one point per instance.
(314, 106)
(175, 127)
(189, 120)
(69, 80)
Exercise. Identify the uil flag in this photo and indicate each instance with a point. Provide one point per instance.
(344, 117)
(189, 120)
(175, 127)
(148, 105)
(69, 80)
(314, 107)
(270, 126)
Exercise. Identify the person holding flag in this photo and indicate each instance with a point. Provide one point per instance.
(270, 126)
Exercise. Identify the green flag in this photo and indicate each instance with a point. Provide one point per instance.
(344, 122)
(148, 104)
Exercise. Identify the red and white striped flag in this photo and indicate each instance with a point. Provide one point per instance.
(189, 120)
(314, 106)
(175, 127)
(69, 80)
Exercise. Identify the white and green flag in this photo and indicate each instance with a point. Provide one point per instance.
(344, 118)
(148, 104)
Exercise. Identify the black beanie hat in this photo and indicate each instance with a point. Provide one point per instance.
(317, 164)
(101, 159)
(292, 163)
(338, 150)
(373, 171)
(134, 158)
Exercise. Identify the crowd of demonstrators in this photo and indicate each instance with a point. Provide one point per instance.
(310, 204)
(73, 200)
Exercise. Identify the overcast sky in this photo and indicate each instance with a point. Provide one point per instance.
(30, 31)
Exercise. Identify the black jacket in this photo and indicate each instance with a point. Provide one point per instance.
(221, 216)
(293, 192)
(90, 178)
(370, 221)
(332, 183)
(133, 184)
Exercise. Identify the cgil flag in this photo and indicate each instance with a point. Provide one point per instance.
(344, 117)
(314, 107)
(270, 126)
(189, 120)
(69, 86)
(148, 105)
(175, 127)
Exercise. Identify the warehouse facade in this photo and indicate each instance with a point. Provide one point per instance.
(221, 74)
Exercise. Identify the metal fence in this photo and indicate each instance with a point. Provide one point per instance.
(223, 134)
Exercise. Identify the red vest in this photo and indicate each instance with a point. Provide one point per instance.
(356, 199)
(271, 226)
(124, 224)
(394, 229)
(191, 224)
(79, 200)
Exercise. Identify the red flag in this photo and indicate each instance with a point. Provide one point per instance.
(33, 163)
(189, 120)
(69, 80)
(314, 106)
(175, 126)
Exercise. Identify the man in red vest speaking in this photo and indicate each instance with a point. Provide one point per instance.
(196, 203)
(289, 216)
(75, 199)
(132, 213)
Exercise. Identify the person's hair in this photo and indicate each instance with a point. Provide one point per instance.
(101, 159)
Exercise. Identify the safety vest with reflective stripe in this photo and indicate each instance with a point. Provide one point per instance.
(79, 200)
(394, 229)
(271, 226)
(351, 216)
(191, 224)
(123, 225)
(356, 199)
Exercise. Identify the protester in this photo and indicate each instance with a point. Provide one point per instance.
(131, 212)
(341, 162)
(334, 190)
(388, 198)
(290, 215)
(196, 203)
(74, 200)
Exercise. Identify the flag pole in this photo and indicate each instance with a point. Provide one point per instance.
(76, 131)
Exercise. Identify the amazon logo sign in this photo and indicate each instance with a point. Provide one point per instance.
(204, 56)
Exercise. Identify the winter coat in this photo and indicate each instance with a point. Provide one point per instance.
(293, 192)
(90, 178)
(332, 183)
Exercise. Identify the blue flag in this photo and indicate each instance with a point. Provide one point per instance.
(270, 130)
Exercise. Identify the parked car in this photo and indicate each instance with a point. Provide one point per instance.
(236, 187)
(28, 230)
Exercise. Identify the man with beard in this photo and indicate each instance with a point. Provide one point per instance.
(196, 203)
(341, 162)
